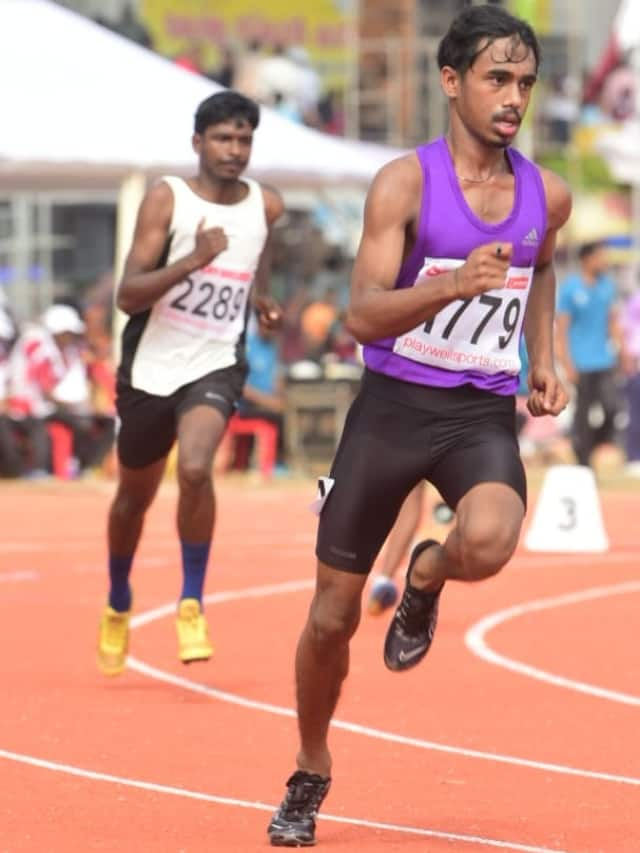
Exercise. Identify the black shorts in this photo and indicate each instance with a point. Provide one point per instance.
(148, 423)
(397, 434)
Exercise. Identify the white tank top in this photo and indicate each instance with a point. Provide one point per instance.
(195, 327)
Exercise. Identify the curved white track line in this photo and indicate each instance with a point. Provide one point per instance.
(475, 639)
(379, 734)
(221, 597)
(95, 776)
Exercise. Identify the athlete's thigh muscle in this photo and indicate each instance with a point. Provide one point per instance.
(384, 451)
(147, 426)
(482, 447)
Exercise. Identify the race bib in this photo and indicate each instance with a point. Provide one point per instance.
(480, 334)
(212, 301)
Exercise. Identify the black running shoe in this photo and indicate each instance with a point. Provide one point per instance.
(411, 630)
(294, 824)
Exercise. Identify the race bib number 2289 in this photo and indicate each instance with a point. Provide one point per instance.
(208, 302)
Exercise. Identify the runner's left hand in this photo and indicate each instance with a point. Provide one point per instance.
(547, 394)
(268, 311)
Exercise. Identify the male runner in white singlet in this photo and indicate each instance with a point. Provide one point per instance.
(199, 247)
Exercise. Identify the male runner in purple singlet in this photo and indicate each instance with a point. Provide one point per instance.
(454, 266)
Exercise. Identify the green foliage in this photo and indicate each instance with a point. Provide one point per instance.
(583, 171)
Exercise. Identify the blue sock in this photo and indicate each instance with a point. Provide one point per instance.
(120, 591)
(194, 567)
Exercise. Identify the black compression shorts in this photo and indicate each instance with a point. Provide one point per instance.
(148, 422)
(397, 434)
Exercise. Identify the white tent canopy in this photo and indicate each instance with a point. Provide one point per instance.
(79, 99)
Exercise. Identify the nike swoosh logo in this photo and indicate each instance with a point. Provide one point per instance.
(405, 656)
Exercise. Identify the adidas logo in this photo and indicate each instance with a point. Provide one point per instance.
(531, 239)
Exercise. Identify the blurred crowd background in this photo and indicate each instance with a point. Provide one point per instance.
(362, 70)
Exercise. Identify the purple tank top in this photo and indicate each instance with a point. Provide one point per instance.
(473, 342)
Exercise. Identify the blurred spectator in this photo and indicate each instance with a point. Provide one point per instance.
(316, 321)
(286, 107)
(10, 457)
(263, 396)
(292, 347)
(630, 323)
(98, 317)
(309, 86)
(559, 111)
(248, 73)
(8, 326)
(49, 384)
(331, 113)
(101, 373)
(191, 58)
(224, 72)
(587, 337)
(279, 75)
(100, 293)
(617, 98)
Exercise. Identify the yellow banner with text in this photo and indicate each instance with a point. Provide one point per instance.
(321, 27)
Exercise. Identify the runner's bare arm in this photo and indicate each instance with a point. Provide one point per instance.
(539, 319)
(273, 209)
(269, 312)
(376, 309)
(143, 283)
(547, 394)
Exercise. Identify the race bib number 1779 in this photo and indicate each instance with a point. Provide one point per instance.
(480, 334)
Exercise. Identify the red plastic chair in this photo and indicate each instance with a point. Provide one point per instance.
(266, 436)
(61, 439)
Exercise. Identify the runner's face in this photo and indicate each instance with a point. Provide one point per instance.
(491, 98)
(225, 148)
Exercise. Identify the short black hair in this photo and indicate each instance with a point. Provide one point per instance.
(459, 47)
(224, 106)
(585, 250)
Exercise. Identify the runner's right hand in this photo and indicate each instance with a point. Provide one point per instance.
(210, 242)
(485, 269)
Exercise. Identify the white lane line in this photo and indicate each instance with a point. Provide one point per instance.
(475, 638)
(19, 576)
(294, 542)
(221, 597)
(95, 776)
(282, 711)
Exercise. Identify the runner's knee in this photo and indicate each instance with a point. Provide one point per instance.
(331, 624)
(193, 475)
(485, 547)
(128, 504)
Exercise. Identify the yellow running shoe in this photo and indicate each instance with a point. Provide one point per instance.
(193, 635)
(113, 642)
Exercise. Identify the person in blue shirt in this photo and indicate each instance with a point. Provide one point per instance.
(587, 346)
(263, 394)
